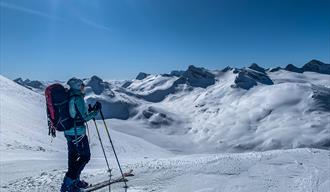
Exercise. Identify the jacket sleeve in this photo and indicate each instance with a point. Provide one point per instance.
(81, 106)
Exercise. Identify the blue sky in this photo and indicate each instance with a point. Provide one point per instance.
(116, 39)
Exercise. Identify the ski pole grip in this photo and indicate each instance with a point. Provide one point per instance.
(90, 108)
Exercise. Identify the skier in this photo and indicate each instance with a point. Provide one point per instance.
(77, 141)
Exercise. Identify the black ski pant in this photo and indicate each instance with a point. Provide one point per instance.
(78, 156)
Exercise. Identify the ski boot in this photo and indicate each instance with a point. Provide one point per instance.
(67, 184)
(70, 185)
(82, 184)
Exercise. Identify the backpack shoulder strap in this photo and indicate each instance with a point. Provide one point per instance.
(78, 114)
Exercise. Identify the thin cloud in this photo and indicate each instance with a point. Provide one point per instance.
(52, 17)
(93, 24)
(28, 11)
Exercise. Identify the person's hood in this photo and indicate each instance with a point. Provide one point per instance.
(75, 83)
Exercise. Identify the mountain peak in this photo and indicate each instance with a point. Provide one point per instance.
(19, 80)
(227, 69)
(142, 75)
(97, 84)
(293, 68)
(96, 78)
(199, 76)
(256, 67)
(317, 66)
(315, 62)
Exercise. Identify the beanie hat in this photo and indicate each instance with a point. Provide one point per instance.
(75, 83)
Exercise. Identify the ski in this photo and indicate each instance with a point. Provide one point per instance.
(107, 182)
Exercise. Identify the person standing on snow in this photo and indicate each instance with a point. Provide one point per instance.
(77, 141)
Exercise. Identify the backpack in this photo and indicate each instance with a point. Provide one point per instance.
(58, 115)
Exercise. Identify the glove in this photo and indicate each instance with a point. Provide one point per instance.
(90, 108)
(97, 106)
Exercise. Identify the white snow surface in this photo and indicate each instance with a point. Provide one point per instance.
(292, 113)
(183, 146)
(151, 83)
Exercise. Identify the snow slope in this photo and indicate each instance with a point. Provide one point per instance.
(297, 170)
(23, 120)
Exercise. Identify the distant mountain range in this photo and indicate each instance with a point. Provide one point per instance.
(200, 77)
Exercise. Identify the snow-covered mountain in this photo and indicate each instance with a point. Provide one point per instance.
(174, 129)
(252, 108)
(235, 109)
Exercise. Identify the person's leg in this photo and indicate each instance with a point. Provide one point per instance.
(72, 158)
(84, 155)
(70, 175)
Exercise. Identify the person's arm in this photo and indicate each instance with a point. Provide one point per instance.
(81, 106)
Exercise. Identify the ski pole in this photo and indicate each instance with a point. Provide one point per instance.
(113, 148)
(105, 156)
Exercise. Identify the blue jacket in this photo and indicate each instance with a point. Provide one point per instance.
(77, 100)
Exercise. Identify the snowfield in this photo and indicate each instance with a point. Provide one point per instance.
(189, 131)
(281, 170)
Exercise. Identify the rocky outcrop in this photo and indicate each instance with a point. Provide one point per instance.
(227, 69)
(126, 84)
(197, 77)
(141, 76)
(317, 66)
(247, 79)
(275, 69)
(256, 67)
(293, 68)
(30, 84)
(97, 85)
(312, 66)
(177, 73)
